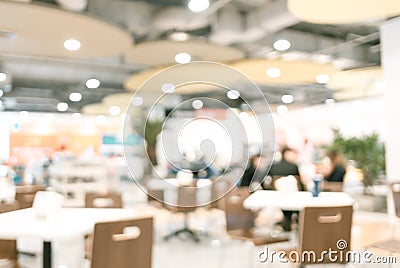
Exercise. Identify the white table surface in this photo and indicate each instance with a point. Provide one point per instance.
(295, 200)
(67, 223)
(66, 229)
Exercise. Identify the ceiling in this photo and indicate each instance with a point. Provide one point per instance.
(123, 40)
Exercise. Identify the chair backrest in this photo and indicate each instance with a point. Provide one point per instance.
(237, 217)
(122, 244)
(286, 184)
(218, 190)
(332, 186)
(187, 199)
(26, 194)
(7, 207)
(155, 196)
(8, 250)
(103, 200)
(395, 191)
(324, 228)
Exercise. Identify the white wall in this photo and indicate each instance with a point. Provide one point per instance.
(353, 118)
(390, 32)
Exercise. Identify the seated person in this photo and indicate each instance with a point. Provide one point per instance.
(287, 167)
(337, 169)
(250, 171)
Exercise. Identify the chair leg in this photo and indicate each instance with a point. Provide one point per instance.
(185, 229)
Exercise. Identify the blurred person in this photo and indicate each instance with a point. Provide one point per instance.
(337, 168)
(286, 167)
(250, 171)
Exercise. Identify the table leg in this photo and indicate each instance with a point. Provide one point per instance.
(46, 254)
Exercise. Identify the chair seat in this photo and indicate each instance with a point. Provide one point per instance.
(257, 240)
(391, 245)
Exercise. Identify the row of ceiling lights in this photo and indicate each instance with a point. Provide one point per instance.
(100, 119)
(182, 58)
(273, 72)
(194, 5)
(91, 83)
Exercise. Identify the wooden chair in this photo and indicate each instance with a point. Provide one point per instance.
(218, 189)
(155, 197)
(9, 253)
(240, 221)
(26, 194)
(7, 207)
(8, 248)
(321, 229)
(332, 186)
(122, 244)
(103, 200)
(99, 200)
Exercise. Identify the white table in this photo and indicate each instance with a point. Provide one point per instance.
(66, 229)
(295, 201)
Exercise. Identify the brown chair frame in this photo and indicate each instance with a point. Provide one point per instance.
(240, 221)
(114, 248)
(324, 228)
(115, 197)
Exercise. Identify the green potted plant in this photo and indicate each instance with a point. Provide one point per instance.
(152, 129)
(367, 151)
(147, 129)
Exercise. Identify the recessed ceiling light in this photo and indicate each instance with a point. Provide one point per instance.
(137, 101)
(233, 94)
(114, 110)
(197, 104)
(72, 44)
(273, 72)
(330, 101)
(62, 106)
(1, 92)
(282, 45)
(287, 98)
(75, 96)
(168, 88)
(3, 77)
(198, 5)
(281, 109)
(179, 36)
(24, 113)
(322, 78)
(92, 83)
(183, 58)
